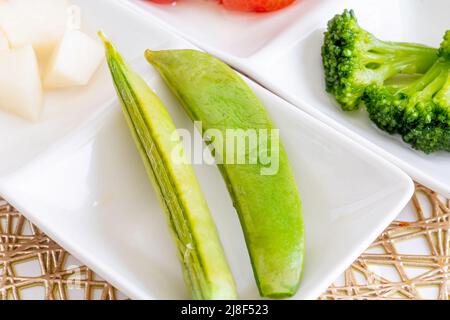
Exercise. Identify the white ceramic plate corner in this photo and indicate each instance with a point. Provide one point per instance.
(86, 188)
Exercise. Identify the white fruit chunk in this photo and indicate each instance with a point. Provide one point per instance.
(4, 42)
(40, 23)
(20, 83)
(74, 61)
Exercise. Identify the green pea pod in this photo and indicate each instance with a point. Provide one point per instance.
(268, 205)
(205, 268)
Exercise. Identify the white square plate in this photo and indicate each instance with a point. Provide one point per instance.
(78, 177)
(281, 51)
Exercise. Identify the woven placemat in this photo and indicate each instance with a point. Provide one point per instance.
(25, 249)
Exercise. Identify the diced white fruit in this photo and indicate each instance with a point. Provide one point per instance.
(74, 61)
(4, 42)
(40, 23)
(20, 83)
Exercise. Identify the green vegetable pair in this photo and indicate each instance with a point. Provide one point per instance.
(404, 86)
(269, 207)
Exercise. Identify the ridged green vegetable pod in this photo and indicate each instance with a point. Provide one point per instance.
(203, 261)
(269, 206)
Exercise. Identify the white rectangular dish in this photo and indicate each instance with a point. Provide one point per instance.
(78, 177)
(281, 51)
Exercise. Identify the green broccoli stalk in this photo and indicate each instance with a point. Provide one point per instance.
(354, 59)
(420, 110)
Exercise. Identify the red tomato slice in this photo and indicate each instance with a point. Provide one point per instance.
(163, 1)
(256, 5)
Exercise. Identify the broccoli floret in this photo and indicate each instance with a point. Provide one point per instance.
(429, 139)
(353, 59)
(444, 50)
(384, 107)
(419, 111)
